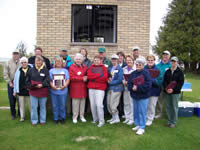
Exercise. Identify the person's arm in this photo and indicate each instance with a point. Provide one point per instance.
(119, 79)
(180, 81)
(147, 83)
(46, 81)
(74, 76)
(130, 82)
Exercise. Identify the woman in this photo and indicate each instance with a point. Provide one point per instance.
(20, 87)
(59, 82)
(97, 76)
(38, 82)
(127, 100)
(115, 88)
(156, 79)
(173, 82)
(121, 60)
(139, 85)
(86, 61)
(78, 87)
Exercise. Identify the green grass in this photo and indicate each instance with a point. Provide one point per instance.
(15, 135)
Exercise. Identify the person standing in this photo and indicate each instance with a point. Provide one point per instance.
(172, 84)
(86, 60)
(20, 87)
(128, 102)
(104, 60)
(136, 54)
(78, 87)
(139, 85)
(115, 88)
(97, 76)
(9, 73)
(155, 90)
(59, 81)
(163, 66)
(38, 52)
(38, 82)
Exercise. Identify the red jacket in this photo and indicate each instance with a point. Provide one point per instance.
(78, 88)
(97, 76)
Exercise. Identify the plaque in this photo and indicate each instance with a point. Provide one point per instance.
(58, 80)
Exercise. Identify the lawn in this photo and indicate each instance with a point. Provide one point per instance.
(15, 135)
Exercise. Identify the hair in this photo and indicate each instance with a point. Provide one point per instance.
(129, 56)
(82, 48)
(23, 59)
(121, 53)
(97, 57)
(150, 56)
(38, 48)
(58, 59)
(39, 58)
(78, 55)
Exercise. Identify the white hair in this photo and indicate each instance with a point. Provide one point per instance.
(23, 59)
(78, 55)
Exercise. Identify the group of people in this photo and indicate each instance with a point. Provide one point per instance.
(136, 82)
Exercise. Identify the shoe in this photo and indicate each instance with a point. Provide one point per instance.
(115, 121)
(93, 122)
(21, 120)
(56, 121)
(13, 117)
(148, 123)
(158, 116)
(126, 121)
(42, 124)
(75, 121)
(83, 119)
(34, 124)
(140, 132)
(136, 128)
(123, 116)
(110, 120)
(130, 122)
(100, 125)
(62, 121)
(172, 126)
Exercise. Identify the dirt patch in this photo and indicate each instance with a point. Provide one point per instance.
(83, 138)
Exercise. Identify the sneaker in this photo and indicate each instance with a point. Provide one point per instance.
(75, 121)
(110, 120)
(126, 121)
(158, 116)
(115, 121)
(172, 126)
(136, 128)
(130, 122)
(93, 122)
(83, 119)
(140, 132)
(148, 123)
(100, 124)
(21, 120)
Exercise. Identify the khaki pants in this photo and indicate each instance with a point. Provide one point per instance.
(78, 106)
(128, 105)
(113, 99)
(22, 107)
(160, 104)
(151, 107)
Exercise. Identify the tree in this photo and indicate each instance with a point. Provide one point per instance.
(181, 32)
(21, 46)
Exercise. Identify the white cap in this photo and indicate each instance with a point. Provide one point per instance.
(174, 58)
(16, 51)
(140, 61)
(136, 48)
(114, 56)
(166, 52)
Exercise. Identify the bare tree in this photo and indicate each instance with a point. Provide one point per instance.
(22, 47)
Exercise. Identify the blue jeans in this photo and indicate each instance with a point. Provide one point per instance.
(140, 112)
(34, 111)
(58, 106)
(12, 101)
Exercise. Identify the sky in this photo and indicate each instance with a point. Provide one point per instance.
(18, 23)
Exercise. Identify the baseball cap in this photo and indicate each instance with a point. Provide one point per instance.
(166, 52)
(136, 48)
(101, 49)
(114, 56)
(174, 58)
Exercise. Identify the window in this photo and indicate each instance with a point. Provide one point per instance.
(94, 23)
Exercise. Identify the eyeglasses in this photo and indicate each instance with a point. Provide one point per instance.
(139, 65)
(23, 62)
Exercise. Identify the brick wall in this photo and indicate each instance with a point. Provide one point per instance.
(54, 26)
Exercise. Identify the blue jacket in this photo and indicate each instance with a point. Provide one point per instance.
(156, 82)
(68, 62)
(143, 91)
(16, 79)
(116, 84)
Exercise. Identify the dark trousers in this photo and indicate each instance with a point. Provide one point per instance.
(12, 101)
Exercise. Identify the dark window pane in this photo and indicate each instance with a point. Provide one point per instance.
(94, 23)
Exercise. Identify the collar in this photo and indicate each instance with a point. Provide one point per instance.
(40, 67)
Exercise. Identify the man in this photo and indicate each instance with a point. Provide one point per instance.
(162, 66)
(102, 53)
(38, 51)
(68, 61)
(136, 54)
(9, 72)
